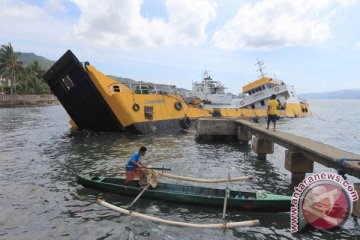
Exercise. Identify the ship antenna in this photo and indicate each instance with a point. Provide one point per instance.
(261, 67)
(206, 74)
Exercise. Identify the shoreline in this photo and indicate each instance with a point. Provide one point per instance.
(16, 100)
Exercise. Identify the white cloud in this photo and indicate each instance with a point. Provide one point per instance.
(55, 6)
(357, 45)
(273, 24)
(120, 23)
(13, 11)
(30, 27)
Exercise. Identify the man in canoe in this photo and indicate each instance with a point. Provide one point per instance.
(134, 167)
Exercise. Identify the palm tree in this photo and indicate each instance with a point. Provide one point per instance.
(10, 66)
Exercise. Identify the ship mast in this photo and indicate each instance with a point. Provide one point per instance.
(261, 67)
(206, 75)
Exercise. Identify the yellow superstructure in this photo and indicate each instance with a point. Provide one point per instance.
(257, 83)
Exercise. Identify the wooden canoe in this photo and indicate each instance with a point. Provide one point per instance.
(209, 197)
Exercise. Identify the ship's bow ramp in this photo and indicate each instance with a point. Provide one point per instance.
(71, 84)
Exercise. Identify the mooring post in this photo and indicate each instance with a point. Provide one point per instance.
(298, 165)
(356, 206)
(262, 147)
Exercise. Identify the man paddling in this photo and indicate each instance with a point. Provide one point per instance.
(134, 167)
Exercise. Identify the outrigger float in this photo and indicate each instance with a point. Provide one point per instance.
(96, 102)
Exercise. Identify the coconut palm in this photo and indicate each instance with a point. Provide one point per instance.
(10, 66)
(30, 80)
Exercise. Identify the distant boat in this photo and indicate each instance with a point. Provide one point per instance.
(209, 91)
(256, 95)
(210, 197)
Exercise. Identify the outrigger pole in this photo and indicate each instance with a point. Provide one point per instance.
(176, 223)
(202, 180)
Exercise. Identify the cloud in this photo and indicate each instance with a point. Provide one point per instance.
(274, 24)
(357, 45)
(56, 6)
(13, 11)
(120, 23)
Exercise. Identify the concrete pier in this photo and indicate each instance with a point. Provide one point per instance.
(216, 130)
(302, 152)
(262, 147)
(11, 100)
(297, 164)
(244, 134)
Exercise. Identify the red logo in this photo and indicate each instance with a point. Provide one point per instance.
(326, 205)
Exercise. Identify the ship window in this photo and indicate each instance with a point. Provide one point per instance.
(67, 83)
(249, 92)
(116, 88)
(263, 86)
(262, 103)
(149, 112)
(253, 106)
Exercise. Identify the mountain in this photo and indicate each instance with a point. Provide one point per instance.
(341, 94)
(29, 58)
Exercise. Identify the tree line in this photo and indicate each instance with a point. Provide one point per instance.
(23, 79)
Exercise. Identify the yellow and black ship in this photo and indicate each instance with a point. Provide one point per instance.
(96, 102)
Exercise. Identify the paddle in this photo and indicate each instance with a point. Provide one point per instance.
(138, 196)
(225, 197)
(157, 168)
(152, 181)
(152, 168)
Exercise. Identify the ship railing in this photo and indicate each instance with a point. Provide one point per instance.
(303, 101)
(152, 88)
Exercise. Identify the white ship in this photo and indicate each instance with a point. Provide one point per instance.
(209, 92)
(256, 95)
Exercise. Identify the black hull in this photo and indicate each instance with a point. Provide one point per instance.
(160, 127)
(81, 99)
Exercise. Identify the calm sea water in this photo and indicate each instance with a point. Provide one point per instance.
(40, 199)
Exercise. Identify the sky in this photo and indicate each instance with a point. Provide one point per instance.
(313, 45)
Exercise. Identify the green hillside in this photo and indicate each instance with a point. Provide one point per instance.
(28, 58)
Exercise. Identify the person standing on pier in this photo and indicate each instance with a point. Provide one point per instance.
(134, 167)
(272, 111)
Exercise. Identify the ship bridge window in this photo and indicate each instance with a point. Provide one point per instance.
(67, 83)
(263, 87)
(253, 106)
(116, 88)
(262, 103)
